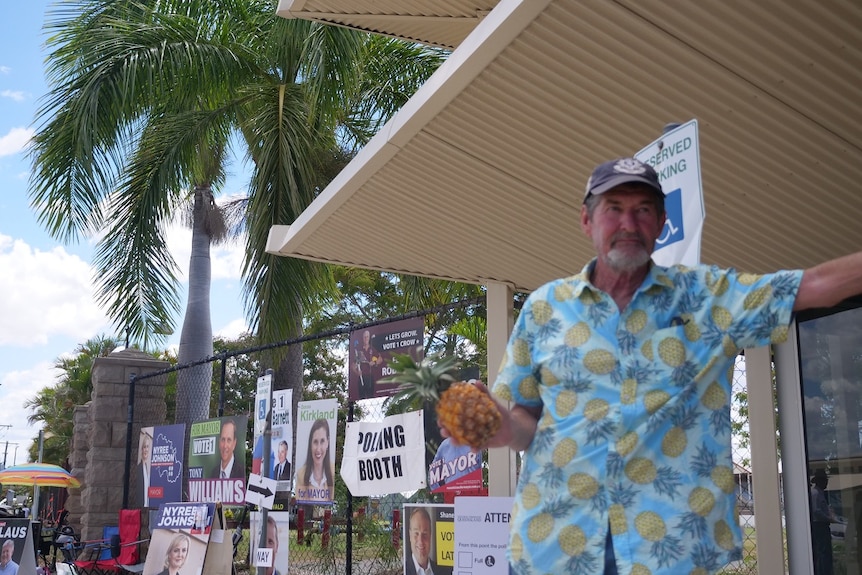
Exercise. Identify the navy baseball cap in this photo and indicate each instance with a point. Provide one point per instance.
(611, 174)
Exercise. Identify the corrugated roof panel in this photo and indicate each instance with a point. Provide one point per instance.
(490, 188)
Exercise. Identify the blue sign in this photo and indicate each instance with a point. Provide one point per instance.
(674, 226)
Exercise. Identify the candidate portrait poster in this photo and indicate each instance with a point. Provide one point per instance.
(166, 464)
(316, 423)
(385, 457)
(180, 537)
(277, 542)
(16, 545)
(371, 348)
(217, 460)
(429, 538)
(280, 465)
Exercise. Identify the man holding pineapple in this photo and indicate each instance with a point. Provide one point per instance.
(618, 378)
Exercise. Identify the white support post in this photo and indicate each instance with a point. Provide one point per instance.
(502, 472)
(764, 461)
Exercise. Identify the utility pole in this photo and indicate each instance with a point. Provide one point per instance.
(6, 450)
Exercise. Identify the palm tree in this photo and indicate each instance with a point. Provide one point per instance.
(53, 407)
(147, 98)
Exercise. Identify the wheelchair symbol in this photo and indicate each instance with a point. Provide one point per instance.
(671, 231)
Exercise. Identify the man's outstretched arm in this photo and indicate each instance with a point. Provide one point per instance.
(826, 284)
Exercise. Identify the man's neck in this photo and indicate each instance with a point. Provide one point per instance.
(620, 285)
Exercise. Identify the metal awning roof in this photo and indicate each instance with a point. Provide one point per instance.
(480, 176)
(443, 23)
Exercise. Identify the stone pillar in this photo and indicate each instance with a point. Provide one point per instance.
(78, 462)
(101, 495)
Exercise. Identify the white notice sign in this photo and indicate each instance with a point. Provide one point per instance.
(482, 535)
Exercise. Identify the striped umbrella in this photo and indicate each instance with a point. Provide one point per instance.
(38, 475)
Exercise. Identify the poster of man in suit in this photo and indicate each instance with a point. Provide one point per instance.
(217, 460)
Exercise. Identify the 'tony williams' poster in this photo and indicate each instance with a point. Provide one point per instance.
(370, 351)
(217, 460)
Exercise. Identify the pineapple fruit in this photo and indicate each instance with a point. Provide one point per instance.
(469, 414)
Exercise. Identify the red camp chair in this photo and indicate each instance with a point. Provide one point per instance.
(118, 552)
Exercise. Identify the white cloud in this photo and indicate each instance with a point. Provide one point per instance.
(226, 259)
(15, 141)
(45, 294)
(233, 329)
(16, 95)
(5, 69)
(17, 387)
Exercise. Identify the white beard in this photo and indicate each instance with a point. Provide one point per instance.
(627, 262)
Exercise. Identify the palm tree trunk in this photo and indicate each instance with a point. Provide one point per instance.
(196, 342)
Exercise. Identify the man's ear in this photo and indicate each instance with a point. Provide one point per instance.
(586, 225)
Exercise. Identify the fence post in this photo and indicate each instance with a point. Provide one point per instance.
(130, 418)
(396, 528)
(300, 526)
(327, 528)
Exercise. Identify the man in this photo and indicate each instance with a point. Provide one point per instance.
(7, 566)
(272, 543)
(228, 466)
(282, 466)
(419, 532)
(619, 391)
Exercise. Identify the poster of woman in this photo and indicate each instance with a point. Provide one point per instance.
(315, 451)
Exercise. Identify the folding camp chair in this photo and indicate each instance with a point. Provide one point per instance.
(119, 551)
(94, 557)
(126, 545)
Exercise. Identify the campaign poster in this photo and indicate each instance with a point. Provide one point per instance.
(455, 468)
(275, 556)
(280, 465)
(166, 465)
(386, 456)
(316, 423)
(262, 399)
(179, 539)
(482, 535)
(217, 460)
(282, 447)
(17, 554)
(429, 538)
(371, 349)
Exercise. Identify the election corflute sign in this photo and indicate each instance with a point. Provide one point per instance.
(385, 457)
(217, 460)
(188, 538)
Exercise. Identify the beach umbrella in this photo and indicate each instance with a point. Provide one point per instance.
(38, 475)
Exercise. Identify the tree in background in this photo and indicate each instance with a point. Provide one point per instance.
(52, 408)
(147, 99)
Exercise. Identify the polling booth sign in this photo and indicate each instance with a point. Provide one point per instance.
(385, 457)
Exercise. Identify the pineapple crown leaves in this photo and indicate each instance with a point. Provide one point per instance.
(425, 380)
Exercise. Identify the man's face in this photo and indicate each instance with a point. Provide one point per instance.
(420, 538)
(6, 554)
(282, 453)
(227, 441)
(271, 543)
(624, 227)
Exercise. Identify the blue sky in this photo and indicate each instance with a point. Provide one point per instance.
(47, 305)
